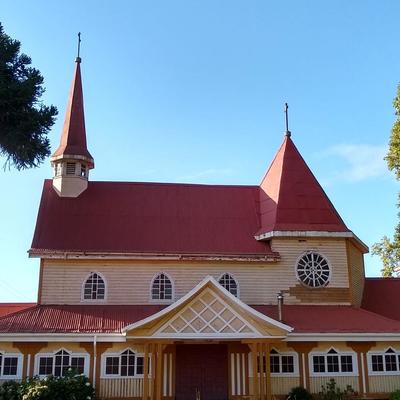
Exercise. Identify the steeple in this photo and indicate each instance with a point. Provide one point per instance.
(72, 160)
(291, 199)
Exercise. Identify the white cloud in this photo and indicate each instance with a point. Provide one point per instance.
(361, 161)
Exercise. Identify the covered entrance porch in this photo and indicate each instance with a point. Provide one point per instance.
(208, 345)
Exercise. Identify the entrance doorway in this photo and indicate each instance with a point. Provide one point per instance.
(202, 368)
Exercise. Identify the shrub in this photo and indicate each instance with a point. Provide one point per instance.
(299, 393)
(10, 390)
(70, 387)
(331, 391)
(395, 395)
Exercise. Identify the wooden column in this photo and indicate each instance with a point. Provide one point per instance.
(159, 371)
(253, 347)
(100, 349)
(260, 347)
(29, 348)
(303, 349)
(146, 372)
(89, 348)
(267, 349)
(361, 348)
(153, 371)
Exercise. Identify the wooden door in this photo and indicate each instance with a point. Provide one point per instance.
(202, 367)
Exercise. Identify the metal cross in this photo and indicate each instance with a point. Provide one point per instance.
(79, 45)
(287, 132)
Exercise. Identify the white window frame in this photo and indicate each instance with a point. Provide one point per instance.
(236, 281)
(339, 353)
(280, 354)
(162, 301)
(20, 361)
(383, 353)
(83, 288)
(104, 357)
(329, 265)
(38, 356)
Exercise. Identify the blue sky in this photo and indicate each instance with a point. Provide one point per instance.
(190, 91)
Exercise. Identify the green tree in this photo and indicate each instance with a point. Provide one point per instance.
(389, 249)
(24, 120)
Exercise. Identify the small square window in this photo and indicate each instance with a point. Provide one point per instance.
(346, 363)
(78, 364)
(333, 363)
(10, 366)
(319, 363)
(45, 365)
(287, 364)
(377, 363)
(112, 365)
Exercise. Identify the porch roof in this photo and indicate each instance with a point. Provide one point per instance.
(114, 318)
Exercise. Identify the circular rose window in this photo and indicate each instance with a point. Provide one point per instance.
(313, 270)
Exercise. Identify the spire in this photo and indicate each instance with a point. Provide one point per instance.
(73, 135)
(291, 199)
(72, 160)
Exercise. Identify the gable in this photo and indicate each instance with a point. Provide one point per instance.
(208, 311)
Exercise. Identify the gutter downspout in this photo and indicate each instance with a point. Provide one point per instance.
(94, 361)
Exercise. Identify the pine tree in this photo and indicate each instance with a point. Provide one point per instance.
(389, 249)
(24, 120)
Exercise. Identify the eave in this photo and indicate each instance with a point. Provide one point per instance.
(314, 234)
(240, 258)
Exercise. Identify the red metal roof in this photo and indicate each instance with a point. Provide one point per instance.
(331, 319)
(291, 199)
(73, 136)
(155, 218)
(381, 295)
(9, 308)
(187, 219)
(112, 319)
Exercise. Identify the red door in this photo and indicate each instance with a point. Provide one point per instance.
(204, 368)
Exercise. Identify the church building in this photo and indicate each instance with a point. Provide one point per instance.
(186, 291)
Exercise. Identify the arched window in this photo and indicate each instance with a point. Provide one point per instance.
(229, 283)
(161, 288)
(313, 270)
(94, 288)
(126, 363)
(57, 364)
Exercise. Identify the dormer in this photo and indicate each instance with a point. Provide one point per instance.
(72, 161)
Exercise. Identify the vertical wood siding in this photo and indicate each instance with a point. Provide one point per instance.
(341, 381)
(121, 387)
(384, 384)
(129, 282)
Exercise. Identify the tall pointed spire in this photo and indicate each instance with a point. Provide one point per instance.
(72, 157)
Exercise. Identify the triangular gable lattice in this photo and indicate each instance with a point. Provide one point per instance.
(208, 311)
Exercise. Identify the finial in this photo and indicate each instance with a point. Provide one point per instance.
(78, 58)
(287, 132)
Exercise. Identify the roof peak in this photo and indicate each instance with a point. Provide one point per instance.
(73, 136)
(291, 198)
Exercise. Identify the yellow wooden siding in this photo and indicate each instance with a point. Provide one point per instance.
(357, 273)
(129, 282)
(283, 385)
(384, 384)
(316, 382)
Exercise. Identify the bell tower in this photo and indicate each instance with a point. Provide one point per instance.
(72, 161)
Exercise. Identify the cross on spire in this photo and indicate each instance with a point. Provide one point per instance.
(78, 58)
(287, 132)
